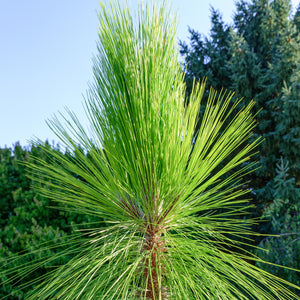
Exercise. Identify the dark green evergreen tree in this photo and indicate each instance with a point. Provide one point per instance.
(244, 65)
(262, 63)
(12, 177)
(284, 215)
(27, 221)
(296, 18)
(207, 56)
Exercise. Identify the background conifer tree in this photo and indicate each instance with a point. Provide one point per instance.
(27, 221)
(262, 62)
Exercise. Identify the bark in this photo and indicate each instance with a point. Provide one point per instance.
(153, 271)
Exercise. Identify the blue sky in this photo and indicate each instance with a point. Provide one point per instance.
(46, 58)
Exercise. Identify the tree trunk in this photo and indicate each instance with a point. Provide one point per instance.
(153, 271)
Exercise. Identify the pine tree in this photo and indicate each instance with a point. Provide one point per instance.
(162, 189)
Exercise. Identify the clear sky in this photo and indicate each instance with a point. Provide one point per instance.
(46, 48)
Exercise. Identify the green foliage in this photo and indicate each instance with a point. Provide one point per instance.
(156, 173)
(262, 61)
(12, 177)
(284, 216)
(208, 58)
(27, 221)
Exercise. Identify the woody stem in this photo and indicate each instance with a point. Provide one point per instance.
(153, 266)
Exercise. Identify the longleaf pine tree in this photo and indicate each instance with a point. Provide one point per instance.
(155, 172)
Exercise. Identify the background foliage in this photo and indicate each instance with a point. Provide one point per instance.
(26, 219)
(258, 56)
